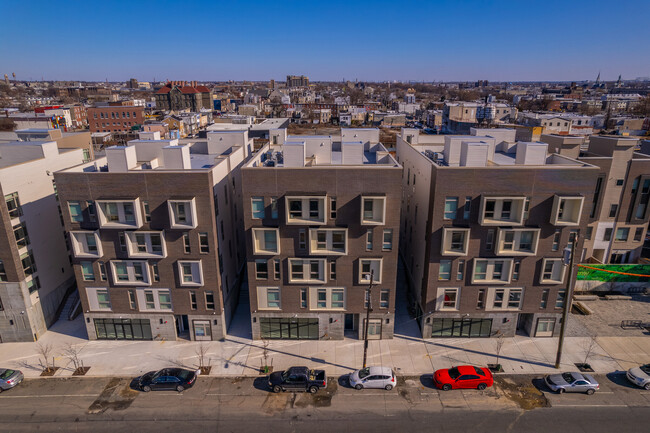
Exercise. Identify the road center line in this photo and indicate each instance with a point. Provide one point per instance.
(49, 396)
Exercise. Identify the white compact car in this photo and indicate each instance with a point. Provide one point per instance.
(640, 376)
(373, 377)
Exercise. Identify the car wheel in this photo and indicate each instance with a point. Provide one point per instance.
(647, 386)
(313, 389)
(560, 390)
(481, 386)
(146, 388)
(446, 387)
(389, 387)
(358, 386)
(590, 391)
(179, 388)
(277, 388)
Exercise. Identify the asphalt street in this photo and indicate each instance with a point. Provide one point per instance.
(515, 403)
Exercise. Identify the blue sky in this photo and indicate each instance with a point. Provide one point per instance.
(329, 40)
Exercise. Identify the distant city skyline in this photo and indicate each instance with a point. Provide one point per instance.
(368, 41)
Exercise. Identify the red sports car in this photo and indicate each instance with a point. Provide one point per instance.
(463, 377)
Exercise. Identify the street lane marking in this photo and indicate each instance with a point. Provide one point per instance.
(49, 396)
(590, 405)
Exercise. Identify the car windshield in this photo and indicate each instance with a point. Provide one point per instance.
(454, 373)
(364, 373)
(568, 377)
(6, 374)
(645, 368)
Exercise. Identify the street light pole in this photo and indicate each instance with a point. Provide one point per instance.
(567, 299)
(365, 331)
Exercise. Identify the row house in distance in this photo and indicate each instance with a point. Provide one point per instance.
(35, 271)
(619, 213)
(485, 220)
(156, 235)
(321, 216)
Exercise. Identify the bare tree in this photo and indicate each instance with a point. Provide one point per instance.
(201, 352)
(499, 345)
(72, 353)
(265, 355)
(45, 351)
(589, 347)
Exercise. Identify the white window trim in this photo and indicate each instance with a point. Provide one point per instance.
(258, 237)
(197, 271)
(105, 224)
(501, 232)
(556, 210)
(376, 279)
(306, 261)
(440, 299)
(192, 210)
(489, 305)
(365, 222)
(305, 210)
(142, 302)
(93, 302)
(562, 272)
(262, 298)
(129, 268)
(313, 298)
(445, 245)
(508, 265)
(497, 222)
(328, 251)
(79, 245)
(132, 245)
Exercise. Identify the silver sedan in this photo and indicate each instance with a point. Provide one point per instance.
(373, 377)
(9, 378)
(572, 382)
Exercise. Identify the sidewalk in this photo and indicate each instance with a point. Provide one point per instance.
(238, 355)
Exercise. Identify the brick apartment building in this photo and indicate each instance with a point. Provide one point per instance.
(618, 214)
(115, 118)
(35, 272)
(485, 220)
(156, 236)
(181, 95)
(321, 214)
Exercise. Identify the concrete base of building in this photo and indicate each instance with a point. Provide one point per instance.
(319, 326)
(102, 326)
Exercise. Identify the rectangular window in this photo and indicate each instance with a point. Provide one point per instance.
(467, 208)
(261, 270)
(515, 270)
(274, 208)
(155, 272)
(132, 303)
(258, 207)
(384, 298)
(87, 271)
(526, 207)
(276, 269)
(544, 301)
(164, 300)
(451, 206)
(559, 301)
(307, 270)
(480, 300)
(450, 299)
(622, 234)
(492, 270)
(331, 298)
(461, 270)
(514, 299)
(3, 272)
(329, 241)
(369, 240)
(303, 298)
(302, 242)
(209, 300)
(373, 210)
(589, 233)
(306, 210)
(13, 205)
(368, 267)
(607, 236)
(265, 241)
(27, 260)
(20, 233)
(204, 246)
(333, 208)
(75, 211)
(556, 240)
(594, 204)
(103, 301)
(638, 234)
(122, 240)
(193, 303)
(499, 294)
(489, 242)
(332, 270)
(131, 272)
(444, 273)
(102, 271)
(186, 243)
(612, 210)
(387, 244)
(147, 211)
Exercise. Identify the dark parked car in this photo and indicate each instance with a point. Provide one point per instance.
(9, 378)
(298, 379)
(177, 379)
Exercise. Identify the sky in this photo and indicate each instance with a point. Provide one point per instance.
(376, 40)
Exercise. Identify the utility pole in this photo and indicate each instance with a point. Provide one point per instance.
(567, 299)
(368, 310)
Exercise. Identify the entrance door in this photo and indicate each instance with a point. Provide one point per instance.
(374, 329)
(202, 330)
(544, 327)
(350, 322)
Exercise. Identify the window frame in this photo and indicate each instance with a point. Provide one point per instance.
(374, 220)
(132, 244)
(197, 272)
(101, 207)
(192, 220)
(490, 262)
(130, 269)
(329, 242)
(447, 239)
(306, 270)
(263, 298)
(376, 278)
(305, 218)
(259, 237)
(502, 233)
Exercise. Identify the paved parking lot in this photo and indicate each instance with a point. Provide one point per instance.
(607, 316)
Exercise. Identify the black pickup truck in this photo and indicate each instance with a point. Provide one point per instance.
(298, 379)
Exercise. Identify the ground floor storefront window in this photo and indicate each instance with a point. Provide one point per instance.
(123, 329)
(545, 327)
(272, 328)
(461, 327)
